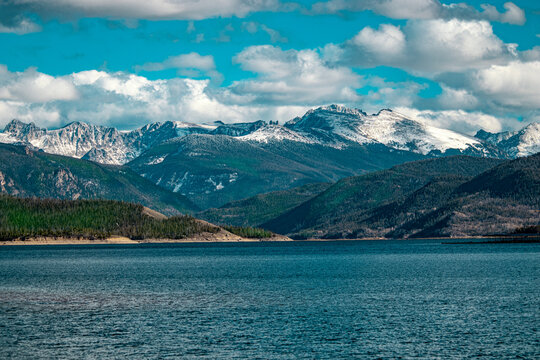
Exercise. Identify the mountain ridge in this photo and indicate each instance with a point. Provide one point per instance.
(332, 125)
(443, 197)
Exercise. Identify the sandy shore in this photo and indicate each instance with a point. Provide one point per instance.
(221, 236)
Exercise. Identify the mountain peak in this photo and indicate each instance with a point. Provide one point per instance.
(534, 126)
(338, 109)
(383, 111)
(17, 125)
(516, 143)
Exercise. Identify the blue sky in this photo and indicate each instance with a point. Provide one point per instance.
(459, 65)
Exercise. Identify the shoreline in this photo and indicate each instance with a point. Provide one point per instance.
(226, 237)
(506, 237)
(219, 237)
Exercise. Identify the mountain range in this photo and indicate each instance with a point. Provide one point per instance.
(214, 164)
(333, 126)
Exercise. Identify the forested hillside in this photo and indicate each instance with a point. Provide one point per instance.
(26, 173)
(260, 208)
(499, 201)
(339, 211)
(91, 219)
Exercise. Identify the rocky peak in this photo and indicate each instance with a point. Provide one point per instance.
(18, 128)
(239, 129)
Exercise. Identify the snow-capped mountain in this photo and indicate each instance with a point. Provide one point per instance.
(338, 125)
(97, 143)
(331, 126)
(216, 163)
(516, 143)
(276, 133)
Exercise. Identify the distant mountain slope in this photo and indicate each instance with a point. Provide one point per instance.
(215, 169)
(338, 211)
(97, 143)
(384, 220)
(516, 143)
(337, 125)
(263, 207)
(27, 173)
(497, 201)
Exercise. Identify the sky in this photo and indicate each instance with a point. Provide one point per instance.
(464, 66)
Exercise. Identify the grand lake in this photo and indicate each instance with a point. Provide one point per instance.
(334, 300)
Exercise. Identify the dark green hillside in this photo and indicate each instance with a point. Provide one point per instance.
(28, 173)
(336, 211)
(383, 220)
(28, 218)
(498, 201)
(518, 179)
(263, 207)
(213, 170)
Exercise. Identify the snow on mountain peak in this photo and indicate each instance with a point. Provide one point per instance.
(275, 133)
(337, 124)
(333, 125)
(523, 142)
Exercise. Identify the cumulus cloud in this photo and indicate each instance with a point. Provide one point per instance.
(387, 41)
(389, 94)
(515, 84)
(513, 14)
(451, 98)
(189, 65)
(424, 9)
(425, 46)
(291, 77)
(123, 100)
(468, 122)
(33, 86)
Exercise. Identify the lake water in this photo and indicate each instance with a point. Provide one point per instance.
(312, 300)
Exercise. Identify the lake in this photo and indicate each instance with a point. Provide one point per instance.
(299, 300)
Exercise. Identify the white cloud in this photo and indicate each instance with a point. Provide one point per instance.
(189, 65)
(462, 121)
(424, 9)
(123, 100)
(451, 98)
(387, 94)
(45, 115)
(513, 14)
(388, 41)
(292, 77)
(453, 45)
(426, 46)
(254, 27)
(407, 9)
(33, 86)
(514, 84)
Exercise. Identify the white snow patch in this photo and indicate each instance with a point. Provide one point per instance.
(156, 160)
(7, 139)
(180, 183)
(275, 133)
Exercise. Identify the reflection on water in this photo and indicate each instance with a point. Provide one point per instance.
(364, 299)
